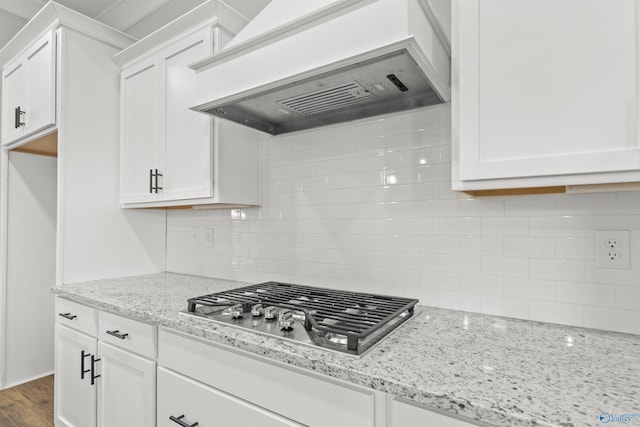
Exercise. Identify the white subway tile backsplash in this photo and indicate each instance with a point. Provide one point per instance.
(434, 173)
(419, 226)
(587, 204)
(629, 203)
(561, 226)
(466, 226)
(613, 319)
(404, 243)
(386, 126)
(530, 247)
(522, 206)
(480, 245)
(612, 276)
(403, 141)
(368, 206)
(421, 261)
(575, 248)
(482, 207)
(421, 191)
(503, 226)
(439, 244)
(556, 269)
(531, 289)
(403, 277)
(478, 284)
(459, 301)
(619, 222)
(440, 280)
(586, 293)
(568, 314)
(501, 306)
(424, 119)
(460, 263)
(628, 297)
(505, 266)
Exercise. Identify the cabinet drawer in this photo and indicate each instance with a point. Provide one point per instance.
(77, 316)
(309, 399)
(409, 415)
(132, 335)
(192, 402)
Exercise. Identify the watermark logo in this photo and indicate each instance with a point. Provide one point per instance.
(622, 418)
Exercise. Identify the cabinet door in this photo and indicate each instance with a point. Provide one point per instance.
(13, 96)
(546, 88)
(140, 132)
(188, 155)
(75, 397)
(191, 402)
(40, 64)
(126, 388)
(408, 415)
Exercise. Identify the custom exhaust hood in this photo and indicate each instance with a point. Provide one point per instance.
(301, 64)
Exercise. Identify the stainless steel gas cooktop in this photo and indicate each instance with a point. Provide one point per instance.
(348, 322)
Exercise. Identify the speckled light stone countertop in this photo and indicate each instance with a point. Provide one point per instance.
(495, 370)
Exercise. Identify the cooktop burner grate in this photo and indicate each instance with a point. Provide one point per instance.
(351, 314)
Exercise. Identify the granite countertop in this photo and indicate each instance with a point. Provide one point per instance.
(495, 370)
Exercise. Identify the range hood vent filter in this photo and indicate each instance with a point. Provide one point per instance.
(302, 64)
(328, 99)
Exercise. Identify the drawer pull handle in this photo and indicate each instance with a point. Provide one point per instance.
(82, 370)
(180, 422)
(117, 334)
(93, 369)
(67, 315)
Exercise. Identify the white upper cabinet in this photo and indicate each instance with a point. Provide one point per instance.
(29, 90)
(545, 93)
(140, 118)
(172, 155)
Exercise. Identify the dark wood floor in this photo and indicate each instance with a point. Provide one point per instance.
(28, 405)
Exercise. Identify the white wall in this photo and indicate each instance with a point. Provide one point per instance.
(368, 206)
(31, 267)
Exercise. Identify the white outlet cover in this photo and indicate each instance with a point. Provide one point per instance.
(617, 257)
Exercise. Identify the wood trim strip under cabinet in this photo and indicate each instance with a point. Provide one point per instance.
(516, 191)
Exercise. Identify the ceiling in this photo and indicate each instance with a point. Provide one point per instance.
(134, 17)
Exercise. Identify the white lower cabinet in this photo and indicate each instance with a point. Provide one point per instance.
(185, 402)
(108, 375)
(99, 383)
(282, 391)
(75, 397)
(409, 415)
(126, 388)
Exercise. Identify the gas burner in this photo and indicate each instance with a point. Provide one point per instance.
(348, 322)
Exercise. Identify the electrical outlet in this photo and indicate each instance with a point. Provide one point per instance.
(207, 237)
(612, 249)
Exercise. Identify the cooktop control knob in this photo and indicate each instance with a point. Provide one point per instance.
(270, 313)
(237, 311)
(285, 320)
(257, 310)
